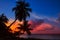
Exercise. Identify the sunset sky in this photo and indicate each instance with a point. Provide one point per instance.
(47, 10)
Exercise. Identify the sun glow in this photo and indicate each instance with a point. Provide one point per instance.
(14, 26)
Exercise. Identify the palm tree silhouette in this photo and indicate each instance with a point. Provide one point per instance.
(21, 11)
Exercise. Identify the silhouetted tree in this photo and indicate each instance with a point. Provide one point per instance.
(3, 28)
(21, 13)
(22, 10)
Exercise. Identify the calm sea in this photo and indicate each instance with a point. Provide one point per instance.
(42, 36)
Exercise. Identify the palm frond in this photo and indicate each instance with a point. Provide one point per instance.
(14, 9)
(28, 9)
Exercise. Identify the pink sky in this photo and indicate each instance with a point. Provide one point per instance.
(40, 28)
(46, 27)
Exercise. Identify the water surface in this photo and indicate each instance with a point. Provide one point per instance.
(42, 36)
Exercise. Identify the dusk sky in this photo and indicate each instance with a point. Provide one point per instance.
(48, 9)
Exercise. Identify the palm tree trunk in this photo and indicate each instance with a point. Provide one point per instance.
(12, 23)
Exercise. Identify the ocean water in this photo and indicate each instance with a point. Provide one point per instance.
(43, 36)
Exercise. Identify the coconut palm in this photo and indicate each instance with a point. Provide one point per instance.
(21, 11)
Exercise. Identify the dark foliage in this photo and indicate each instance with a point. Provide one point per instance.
(22, 10)
(4, 31)
(25, 28)
(21, 13)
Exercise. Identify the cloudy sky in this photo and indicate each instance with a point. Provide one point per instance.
(47, 10)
